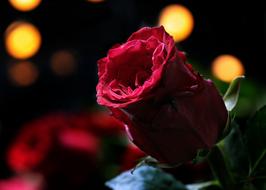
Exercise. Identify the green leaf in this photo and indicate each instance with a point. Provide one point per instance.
(244, 151)
(232, 93)
(145, 178)
(236, 153)
(255, 139)
(220, 168)
(150, 161)
(228, 127)
(209, 185)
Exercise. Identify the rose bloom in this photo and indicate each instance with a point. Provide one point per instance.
(168, 109)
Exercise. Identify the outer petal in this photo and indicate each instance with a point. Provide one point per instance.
(172, 132)
(120, 59)
(146, 32)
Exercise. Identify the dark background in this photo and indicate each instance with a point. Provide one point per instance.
(221, 27)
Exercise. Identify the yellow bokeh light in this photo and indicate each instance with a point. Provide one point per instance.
(227, 67)
(22, 40)
(24, 5)
(63, 63)
(23, 73)
(178, 21)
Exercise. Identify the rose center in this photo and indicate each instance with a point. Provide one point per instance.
(132, 67)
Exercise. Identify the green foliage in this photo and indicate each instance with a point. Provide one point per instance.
(244, 155)
(255, 140)
(232, 93)
(201, 155)
(220, 168)
(236, 152)
(209, 185)
(145, 178)
(150, 161)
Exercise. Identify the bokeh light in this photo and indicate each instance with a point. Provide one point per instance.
(24, 5)
(227, 67)
(96, 1)
(63, 63)
(22, 40)
(178, 21)
(23, 73)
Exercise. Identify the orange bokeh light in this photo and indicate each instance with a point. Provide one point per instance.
(22, 40)
(178, 21)
(23, 73)
(63, 63)
(24, 5)
(227, 67)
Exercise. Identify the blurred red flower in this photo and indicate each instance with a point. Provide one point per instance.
(105, 124)
(32, 182)
(77, 139)
(34, 142)
(62, 146)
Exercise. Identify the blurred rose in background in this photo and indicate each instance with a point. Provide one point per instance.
(67, 149)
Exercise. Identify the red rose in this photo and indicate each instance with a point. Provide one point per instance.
(169, 110)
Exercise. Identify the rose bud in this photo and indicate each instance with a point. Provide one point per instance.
(169, 110)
